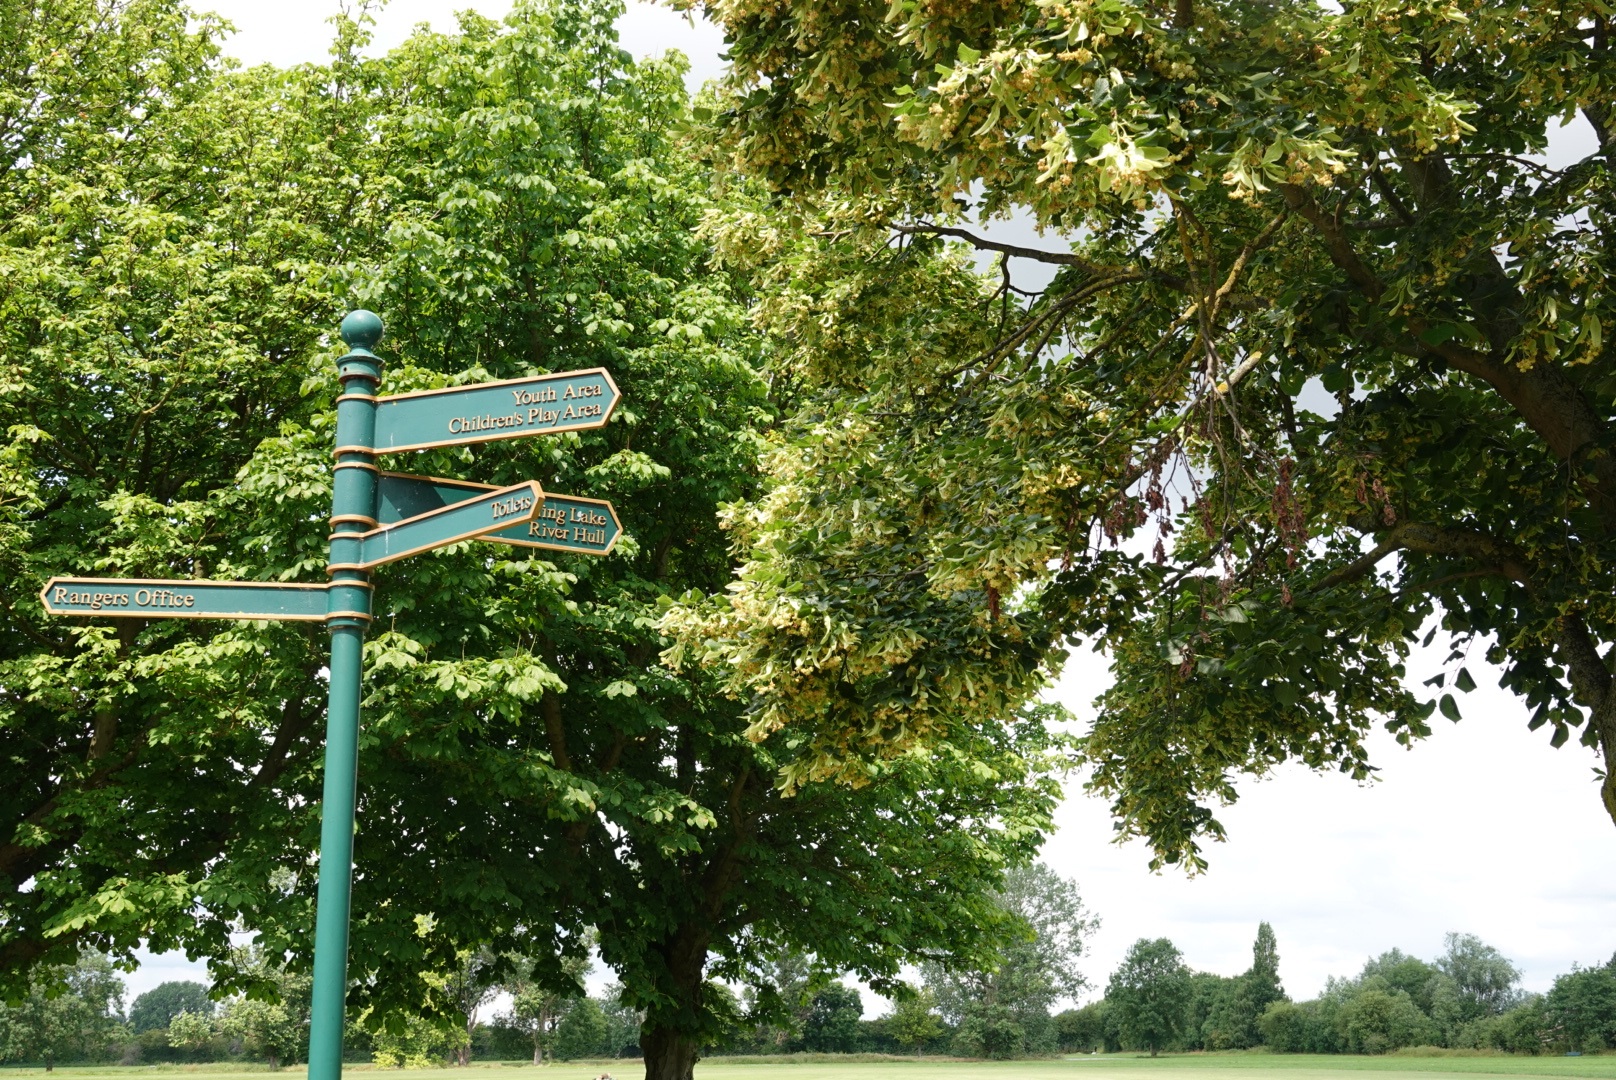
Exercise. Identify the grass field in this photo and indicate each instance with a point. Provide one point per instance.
(1107, 1067)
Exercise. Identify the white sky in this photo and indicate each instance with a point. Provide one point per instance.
(1483, 829)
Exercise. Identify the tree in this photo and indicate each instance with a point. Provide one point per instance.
(271, 1021)
(515, 197)
(914, 1020)
(536, 1007)
(1148, 993)
(582, 1031)
(1582, 1005)
(157, 1006)
(622, 1024)
(1309, 307)
(169, 229)
(1083, 1030)
(471, 986)
(1263, 978)
(832, 1024)
(1027, 975)
(1395, 970)
(1232, 1021)
(190, 1030)
(69, 1013)
(780, 996)
(1375, 1021)
(1483, 977)
(517, 694)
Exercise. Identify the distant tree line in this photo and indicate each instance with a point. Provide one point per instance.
(1467, 998)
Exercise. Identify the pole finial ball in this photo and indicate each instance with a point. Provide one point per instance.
(362, 329)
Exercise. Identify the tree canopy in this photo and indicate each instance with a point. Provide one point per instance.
(1320, 371)
(1148, 993)
(516, 197)
(157, 1006)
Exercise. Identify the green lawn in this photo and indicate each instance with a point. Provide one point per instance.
(1110, 1067)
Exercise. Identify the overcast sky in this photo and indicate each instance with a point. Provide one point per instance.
(1483, 829)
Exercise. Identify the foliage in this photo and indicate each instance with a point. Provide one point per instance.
(1581, 1007)
(271, 1020)
(780, 996)
(1315, 302)
(536, 1007)
(1231, 1021)
(583, 1031)
(1484, 979)
(1375, 1021)
(914, 1021)
(190, 1030)
(832, 1023)
(1087, 1030)
(1148, 994)
(159, 1005)
(169, 229)
(1002, 1009)
(1466, 999)
(414, 1042)
(70, 1013)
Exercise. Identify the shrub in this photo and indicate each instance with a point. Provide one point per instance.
(1376, 1021)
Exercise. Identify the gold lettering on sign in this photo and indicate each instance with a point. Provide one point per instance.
(461, 425)
(543, 530)
(516, 504)
(163, 598)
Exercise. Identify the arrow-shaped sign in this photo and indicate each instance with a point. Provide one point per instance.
(563, 523)
(133, 598)
(542, 405)
(490, 510)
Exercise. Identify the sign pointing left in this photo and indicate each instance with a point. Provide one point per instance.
(488, 512)
(132, 598)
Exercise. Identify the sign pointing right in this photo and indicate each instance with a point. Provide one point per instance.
(563, 523)
(541, 405)
(489, 510)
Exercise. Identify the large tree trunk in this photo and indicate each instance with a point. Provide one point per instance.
(669, 1038)
(669, 1055)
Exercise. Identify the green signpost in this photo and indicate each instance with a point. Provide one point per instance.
(377, 518)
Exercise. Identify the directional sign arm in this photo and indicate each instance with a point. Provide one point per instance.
(542, 405)
(133, 598)
(484, 513)
(564, 523)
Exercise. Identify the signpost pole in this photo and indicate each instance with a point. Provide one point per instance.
(353, 512)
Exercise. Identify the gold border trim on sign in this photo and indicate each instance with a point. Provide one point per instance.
(531, 485)
(607, 550)
(610, 509)
(167, 613)
(617, 396)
